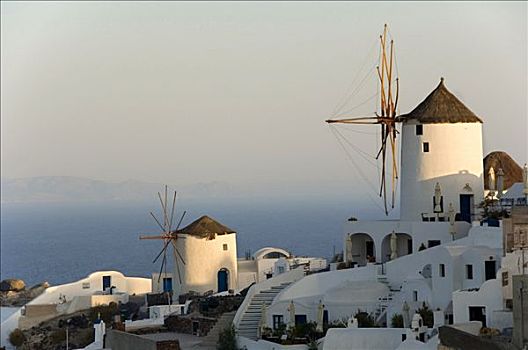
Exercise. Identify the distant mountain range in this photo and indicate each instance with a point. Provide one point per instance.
(69, 188)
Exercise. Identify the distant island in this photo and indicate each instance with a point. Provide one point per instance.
(69, 188)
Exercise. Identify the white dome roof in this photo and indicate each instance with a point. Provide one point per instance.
(259, 254)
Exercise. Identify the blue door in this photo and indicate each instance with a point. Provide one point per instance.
(222, 281)
(167, 284)
(107, 282)
(465, 207)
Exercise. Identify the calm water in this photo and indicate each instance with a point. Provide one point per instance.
(61, 243)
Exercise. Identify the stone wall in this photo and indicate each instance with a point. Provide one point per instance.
(184, 324)
(454, 339)
(520, 310)
(203, 312)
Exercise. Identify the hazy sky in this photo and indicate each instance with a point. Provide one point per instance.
(238, 92)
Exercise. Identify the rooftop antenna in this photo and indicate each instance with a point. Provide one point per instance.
(386, 117)
(168, 235)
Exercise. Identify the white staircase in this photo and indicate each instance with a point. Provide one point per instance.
(250, 320)
(380, 315)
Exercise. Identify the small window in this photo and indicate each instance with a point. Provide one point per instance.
(505, 279)
(419, 129)
(86, 285)
(469, 272)
(441, 270)
(278, 320)
(225, 246)
(300, 319)
(415, 295)
(426, 147)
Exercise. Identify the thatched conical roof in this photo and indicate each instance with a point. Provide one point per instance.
(441, 106)
(512, 171)
(205, 227)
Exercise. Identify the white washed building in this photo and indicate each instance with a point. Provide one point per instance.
(427, 257)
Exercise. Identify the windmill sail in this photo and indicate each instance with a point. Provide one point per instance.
(386, 119)
(168, 235)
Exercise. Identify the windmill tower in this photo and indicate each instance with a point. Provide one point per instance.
(441, 142)
(210, 252)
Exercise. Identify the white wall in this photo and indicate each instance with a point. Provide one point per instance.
(82, 295)
(92, 284)
(512, 265)
(264, 266)
(365, 338)
(257, 269)
(423, 290)
(482, 236)
(454, 160)
(454, 258)
(318, 284)
(266, 345)
(421, 232)
(489, 296)
(9, 323)
(157, 282)
(342, 301)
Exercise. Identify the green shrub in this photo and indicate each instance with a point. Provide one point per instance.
(107, 312)
(227, 339)
(397, 321)
(305, 330)
(312, 345)
(17, 337)
(85, 337)
(365, 320)
(58, 336)
(427, 315)
(341, 266)
(280, 330)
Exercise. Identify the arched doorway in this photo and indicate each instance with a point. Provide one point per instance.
(404, 246)
(223, 280)
(361, 248)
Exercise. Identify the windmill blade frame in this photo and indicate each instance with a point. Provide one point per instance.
(387, 118)
(174, 251)
(161, 268)
(168, 235)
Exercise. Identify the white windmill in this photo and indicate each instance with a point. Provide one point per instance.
(169, 238)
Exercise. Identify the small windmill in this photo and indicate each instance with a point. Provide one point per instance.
(168, 235)
(386, 118)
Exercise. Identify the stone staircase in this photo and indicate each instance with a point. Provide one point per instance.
(249, 323)
(211, 339)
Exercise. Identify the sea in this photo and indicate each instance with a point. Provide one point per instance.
(64, 242)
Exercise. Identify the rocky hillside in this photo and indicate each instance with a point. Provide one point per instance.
(13, 292)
